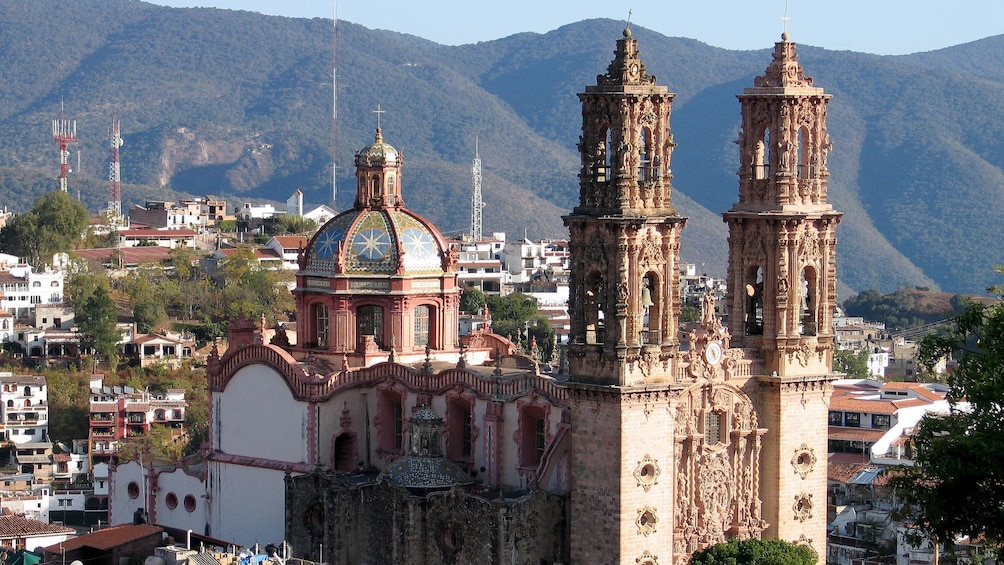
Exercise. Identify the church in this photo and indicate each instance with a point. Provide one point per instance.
(381, 436)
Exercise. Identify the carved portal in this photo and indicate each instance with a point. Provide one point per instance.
(717, 467)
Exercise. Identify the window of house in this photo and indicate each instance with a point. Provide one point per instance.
(852, 419)
(421, 326)
(881, 421)
(321, 320)
(836, 418)
(177, 413)
(27, 391)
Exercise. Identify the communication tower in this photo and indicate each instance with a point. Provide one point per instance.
(476, 203)
(114, 180)
(64, 132)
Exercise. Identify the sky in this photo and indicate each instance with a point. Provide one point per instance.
(885, 27)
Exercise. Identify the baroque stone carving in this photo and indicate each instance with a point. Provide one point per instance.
(646, 520)
(647, 472)
(804, 460)
(802, 507)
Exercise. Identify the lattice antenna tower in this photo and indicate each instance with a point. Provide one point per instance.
(476, 203)
(64, 132)
(334, 105)
(114, 175)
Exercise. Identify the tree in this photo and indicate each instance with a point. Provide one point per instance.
(852, 363)
(96, 317)
(755, 552)
(516, 315)
(54, 225)
(956, 486)
(472, 300)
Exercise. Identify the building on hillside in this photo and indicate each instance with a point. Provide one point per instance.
(664, 442)
(288, 247)
(34, 457)
(187, 214)
(171, 349)
(479, 263)
(169, 238)
(22, 289)
(25, 408)
(320, 214)
(118, 413)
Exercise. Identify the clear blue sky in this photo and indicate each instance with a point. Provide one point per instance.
(887, 27)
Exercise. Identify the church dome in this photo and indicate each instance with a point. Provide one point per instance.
(381, 241)
(377, 153)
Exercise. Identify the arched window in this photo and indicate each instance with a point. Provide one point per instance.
(651, 306)
(422, 316)
(321, 324)
(375, 186)
(644, 156)
(808, 303)
(369, 321)
(36, 284)
(754, 301)
(761, 158)
(27, 391)
(805, 170)
(594, 304)
(391, 185)
(10, 403)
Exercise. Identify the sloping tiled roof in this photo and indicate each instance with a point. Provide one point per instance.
(107, 538)
(291, 241)
(18, 526)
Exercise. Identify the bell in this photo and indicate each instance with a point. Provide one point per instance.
(646, 297)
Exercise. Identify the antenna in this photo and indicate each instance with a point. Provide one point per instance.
(114, 179)
(334, 106)
(476, 203)
(64, 132)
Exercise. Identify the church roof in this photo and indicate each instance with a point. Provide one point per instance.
(425, 473)
(377, 241)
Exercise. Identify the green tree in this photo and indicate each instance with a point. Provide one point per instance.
(956, 486)
(54, 225)
(67, 395)
(472, 300)
(517, 314)
(96, 317)
(755, 552)
(252, 290)
(853, 363)
(291, 224)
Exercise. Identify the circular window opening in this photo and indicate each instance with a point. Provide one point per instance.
(190, 503)
(647, 473)
(171, 500)
(133, 490)
(646, 519)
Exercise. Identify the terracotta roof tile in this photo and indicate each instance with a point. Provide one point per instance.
(11, 525)
(107, 538)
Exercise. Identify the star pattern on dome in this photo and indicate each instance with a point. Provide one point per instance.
(371, 244)
(327, 243)
(418, 243)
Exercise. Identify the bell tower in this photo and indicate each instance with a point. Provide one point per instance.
(782, 286)
(624, 303)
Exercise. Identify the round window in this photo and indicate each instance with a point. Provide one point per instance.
(190, 503)
(133, 490)
(171, 500)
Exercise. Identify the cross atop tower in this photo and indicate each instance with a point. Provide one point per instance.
(378, 111)
(785, 19)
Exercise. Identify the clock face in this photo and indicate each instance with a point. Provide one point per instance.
(418, 243)
(713, 353)
(371, 244)
(634, 69)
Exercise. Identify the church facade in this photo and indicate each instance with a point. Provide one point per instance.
(380, 436)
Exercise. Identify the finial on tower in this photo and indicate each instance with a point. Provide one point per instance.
(784, 22)
(627, 26)
(378, 111)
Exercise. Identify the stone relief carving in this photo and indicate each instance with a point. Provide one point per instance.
(802, 507)
(647, 472)
(804, 460)
(646, 520)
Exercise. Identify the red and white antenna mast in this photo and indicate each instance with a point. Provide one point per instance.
(64, 132)
(114, 180)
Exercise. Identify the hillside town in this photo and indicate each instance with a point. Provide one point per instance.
(391, 402)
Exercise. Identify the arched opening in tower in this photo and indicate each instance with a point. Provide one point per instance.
(594, 305)
(807, 323)
(754, 301)
(651, 306)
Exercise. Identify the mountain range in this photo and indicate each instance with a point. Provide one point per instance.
(239, 105)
